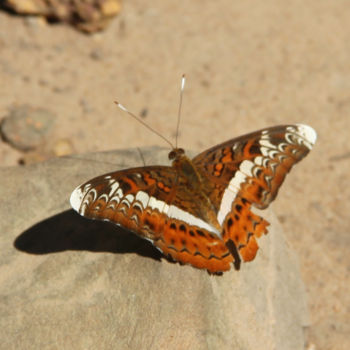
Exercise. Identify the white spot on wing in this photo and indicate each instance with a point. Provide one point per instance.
(226, 203)
(156, 204)
(138, 205)
(245, 170)
(76, 198)
(264, 151)
(238, 178)
(258, 160)
(91, 196)
(104, 197)
(166, 209)
(118, 195)
(143, 198)
(230, 194)
(114, 187)
(129, 198)
(267, 143)
(115, 199)
(246, 167)
(308, 133)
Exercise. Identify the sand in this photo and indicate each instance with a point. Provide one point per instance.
(249, 65)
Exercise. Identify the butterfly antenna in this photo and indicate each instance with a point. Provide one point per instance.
(180, 105)
(141, 155)
(143, 123)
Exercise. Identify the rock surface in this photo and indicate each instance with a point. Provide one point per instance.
(67, 282)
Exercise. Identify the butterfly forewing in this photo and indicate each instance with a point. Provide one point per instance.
(260, 159)
(155, 203)
(249, 170)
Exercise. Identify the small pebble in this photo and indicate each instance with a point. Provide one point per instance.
(62, 147)
(25, 127)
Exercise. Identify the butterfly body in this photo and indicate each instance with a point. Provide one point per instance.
(199, 211)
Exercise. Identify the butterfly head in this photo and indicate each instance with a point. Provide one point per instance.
(176, 154)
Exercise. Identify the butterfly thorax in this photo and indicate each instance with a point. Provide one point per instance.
(185, 166)
(195, 184)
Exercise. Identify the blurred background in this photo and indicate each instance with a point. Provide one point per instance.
(249, 64)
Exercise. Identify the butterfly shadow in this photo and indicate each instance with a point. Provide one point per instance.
(69, 231)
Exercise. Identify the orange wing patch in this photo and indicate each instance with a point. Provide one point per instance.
(242, 227)
(195, 246)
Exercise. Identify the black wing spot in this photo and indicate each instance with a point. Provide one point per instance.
(236, 217)
(130, 177)
(258, 172)
(173, 226)
(125, 186)
(229, 223)
(137, 208)
(192, 234)
(182, 228)
(249, 235)
(244, 201)
(255, 149)
(243, 145)
(149, 224)
(184, 250)
(233, 250)
(201, 233)
(238, 208)
(259, 192)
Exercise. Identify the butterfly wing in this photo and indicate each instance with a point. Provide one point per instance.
(148, 202)
(246, 171)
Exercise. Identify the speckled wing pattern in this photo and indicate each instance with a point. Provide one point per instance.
(199, 212)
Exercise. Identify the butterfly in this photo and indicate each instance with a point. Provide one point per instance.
(199, 211)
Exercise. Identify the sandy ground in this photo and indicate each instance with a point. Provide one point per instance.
(249, 65)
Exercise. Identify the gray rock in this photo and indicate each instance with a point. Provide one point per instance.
(72, 283)
(26, 127)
